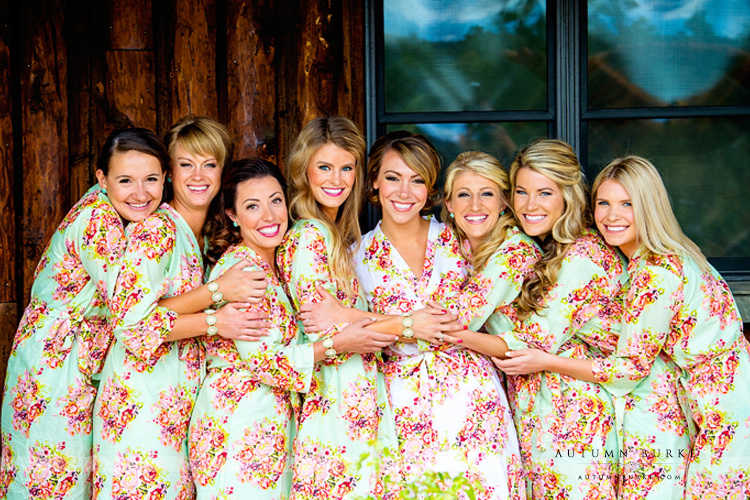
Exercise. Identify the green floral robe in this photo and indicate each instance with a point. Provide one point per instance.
(57, 354)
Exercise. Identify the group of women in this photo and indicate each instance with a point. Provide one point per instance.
(201, 347)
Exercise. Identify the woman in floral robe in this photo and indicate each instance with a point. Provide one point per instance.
(566, 426)
(450, 408)
(153, 370)
(677, 308)
(345, 413)
(64, 334)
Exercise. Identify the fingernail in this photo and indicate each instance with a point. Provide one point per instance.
(445, 310)
(466, 327)
(460, 340)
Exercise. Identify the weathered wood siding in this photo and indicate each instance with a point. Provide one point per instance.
(72, 71)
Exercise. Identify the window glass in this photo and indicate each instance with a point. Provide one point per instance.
(668, 53)
(501, 140)
(464, 55)
(703, 162)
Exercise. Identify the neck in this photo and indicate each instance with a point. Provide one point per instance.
(195, 218)
(404, 233)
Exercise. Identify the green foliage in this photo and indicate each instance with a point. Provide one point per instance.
(430, 486)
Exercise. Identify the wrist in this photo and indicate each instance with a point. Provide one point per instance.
(407, 322)
(211, 328)
(216, 295)
(330, 350)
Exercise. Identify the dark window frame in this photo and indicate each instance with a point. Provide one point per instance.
(567, 114)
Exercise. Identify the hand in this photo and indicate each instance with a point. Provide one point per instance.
(433, 322)
(524, 361)
(238, 285)
(236, 323)
(355, 338)
(322, 314)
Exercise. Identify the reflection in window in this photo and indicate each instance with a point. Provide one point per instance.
(464, 55)
(704, 164)
(667, 53)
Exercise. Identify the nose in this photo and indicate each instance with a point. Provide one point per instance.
(403, 189)
(140, 191)
(474, 203)
(336, 176)
(532, 202)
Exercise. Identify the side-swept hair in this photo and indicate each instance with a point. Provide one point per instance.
(491, 169)
(557, 161)
(223, 233)
(345, 232)
(656, 226)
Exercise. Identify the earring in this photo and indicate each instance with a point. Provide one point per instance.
(169, 180)
(104, 190)
(235, 224)
(502, 213)
(452, 216)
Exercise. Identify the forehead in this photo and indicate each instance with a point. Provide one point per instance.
(393, 163)
(531, 179)
(472, 180)
(332, 153)
(613, 189)
(259, 188)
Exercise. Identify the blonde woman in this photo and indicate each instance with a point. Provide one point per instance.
(679, 309)
(345, 413)
(566, 307)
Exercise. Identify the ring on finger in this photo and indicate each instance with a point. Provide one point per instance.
(441, 338)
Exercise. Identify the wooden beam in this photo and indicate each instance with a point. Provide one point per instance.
(7, 191)
(44, 118)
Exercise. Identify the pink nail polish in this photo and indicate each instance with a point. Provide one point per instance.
(460, 340)
(466, 327)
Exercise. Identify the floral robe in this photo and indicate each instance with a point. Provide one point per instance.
(345, 414)
(243, 422)
(567, 426)
(149, 385)
(451, 410)
(675, 309)
(57, 354)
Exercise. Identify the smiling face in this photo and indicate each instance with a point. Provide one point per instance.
(260, 211)
(401, 191)
(134, 184)
(331, 173)
(196, 179)
(613, 213)
(537, 201)
(476, 203)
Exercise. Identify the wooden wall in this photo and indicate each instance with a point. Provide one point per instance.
(73, 71)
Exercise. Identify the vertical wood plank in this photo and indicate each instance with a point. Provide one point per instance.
(192, 71)
(7, 191)
(130, 87)
(130, 25)
(8, 323)
(251, 77)
(352, 91)
(44, 116)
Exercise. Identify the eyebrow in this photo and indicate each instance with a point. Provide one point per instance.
(416, 175)
(257, 199)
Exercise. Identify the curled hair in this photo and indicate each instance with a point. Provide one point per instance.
(491, 169)
(557, 161)
(132, 139)
(223, 233)
(656, 226)
(345, 232)
(417, 152)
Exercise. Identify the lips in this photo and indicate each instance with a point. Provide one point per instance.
(534, 218)
(475, 219)
(402, 207)
(333, 191)
(270, 231)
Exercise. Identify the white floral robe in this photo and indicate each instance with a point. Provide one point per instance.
(57, 354)
(149, 385)
(451, 411)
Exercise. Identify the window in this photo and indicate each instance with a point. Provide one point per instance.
(662, 79)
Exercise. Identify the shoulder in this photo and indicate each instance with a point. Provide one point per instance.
(518, 241)
(91, 203)
(156, 232)
(647, 270)
(232, 256)
(305, 229)
(591, 248)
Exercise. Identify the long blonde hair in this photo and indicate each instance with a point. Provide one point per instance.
(491, 169)
(656, 226)
(345, 232)
(557, 161)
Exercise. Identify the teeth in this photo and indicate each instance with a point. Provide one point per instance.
(402, 206)
(616, 229)
(138, 205)
(270, 230)
(476, 218)
(534, 218)
(333, 192)
(197, 189)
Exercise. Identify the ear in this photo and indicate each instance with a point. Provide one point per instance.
(101, 178)
(449, 205)
(231, 215)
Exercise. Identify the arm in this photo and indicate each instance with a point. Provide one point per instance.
(236, 285)
(525, 361)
